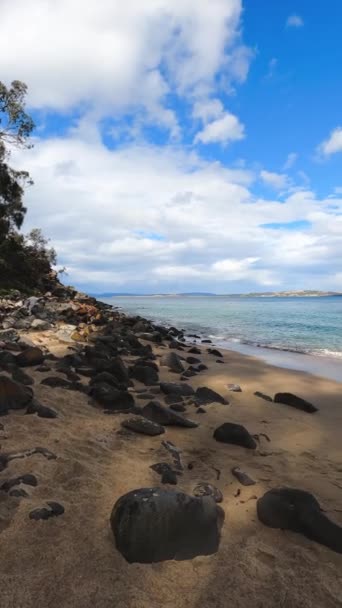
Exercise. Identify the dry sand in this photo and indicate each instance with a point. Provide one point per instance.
(71, 561)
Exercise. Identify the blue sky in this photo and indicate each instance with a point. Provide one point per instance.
(184, 145)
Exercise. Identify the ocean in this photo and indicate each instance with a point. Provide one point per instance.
(276, 329)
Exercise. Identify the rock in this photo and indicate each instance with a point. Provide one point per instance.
(207, 489)
(178, 407)
(145, 396)
(242, 477)
(194, 350)
(42, 411)
(55, 509)
(43, 368)
(111, 398)
(172, 399)
(206, 341)
(118, 369)
(202, 367)
(167, 474)
(170, 388)
(188, 374)
(192, 360)
(56, 382)
(13, 396)
(263, 396)
(235, 388)
(139, 424)
(30, 356)
(106, 377)
(205, 395)
(27, 479)
(213, 351)
(236, 434)
(64, 334)
(9, 335)
(145, 374)
(173, 362)
(201, 410)
(19, 375)
(7, 359)
(21, 493)
(166, 525)
(299, 511)
(162, 415)
(294, 401)
(40, 325)
(86, 371)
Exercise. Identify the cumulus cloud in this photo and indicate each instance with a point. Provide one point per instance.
(277, 181)
(143, 218)
(119, 57)
(294, 21)
(223, 130)
(333, 144)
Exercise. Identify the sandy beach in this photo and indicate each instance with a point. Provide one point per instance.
(71, 561)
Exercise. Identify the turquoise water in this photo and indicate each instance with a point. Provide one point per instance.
(302, 325)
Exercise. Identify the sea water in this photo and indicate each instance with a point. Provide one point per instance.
(254, 325)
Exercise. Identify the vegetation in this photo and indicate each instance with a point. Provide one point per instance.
(24, 260)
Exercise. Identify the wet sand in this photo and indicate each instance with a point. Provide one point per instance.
(71, 561)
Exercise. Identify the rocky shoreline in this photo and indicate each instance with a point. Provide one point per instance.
(67, 347)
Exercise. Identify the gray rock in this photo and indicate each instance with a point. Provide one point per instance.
(235, 388)
(170, 388)
(296, 402)
(173, 362)
(162, 415)
(9, 335)
(205, 395)
(40, 325)
(139, 424)
(236, 434)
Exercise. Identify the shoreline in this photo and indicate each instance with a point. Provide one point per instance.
(98, 461)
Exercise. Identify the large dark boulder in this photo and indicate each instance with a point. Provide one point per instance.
(142, 425)
(119, 370)
(166, 416)
(144, 374)
(154, 525)
(111, 398)
(13, 396)
(205, 395)
(229, 432)
(294, 401)
(30, 356)
(299, 511)
(106, 377)
(170, 388)
(173, 362)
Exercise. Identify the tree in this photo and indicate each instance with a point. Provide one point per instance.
(15, 128)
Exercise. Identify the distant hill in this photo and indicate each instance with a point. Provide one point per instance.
(304, 293)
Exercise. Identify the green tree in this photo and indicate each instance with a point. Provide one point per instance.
(15, 128)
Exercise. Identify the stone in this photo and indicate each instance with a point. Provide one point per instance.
(234, 388)
(229, 432)
(194, 350)
(216, 353)
(173, 362)
(242, 477)
(294, 401)
(139, 424)
(43, 368)
(7, 360)
(162, 415)
(299, 511)
(55, 509)
(172, 399)
(106, 377)
(206, 341)
(207, 489)
(263, 396)
(166, 525)
(205, 395)
(145, 374)
(178, 407)
(111, 398)
(18, 493)
(118, 369)
(56, 382)
(170, 388)
(64, 334)
(193, 360)
(188, 374)
(13, 396)
(202, 367)
(9, 335)
(40, 325)
(30, 356)
(42, 411)
(19, 375)
(168, 476)
(27, 479)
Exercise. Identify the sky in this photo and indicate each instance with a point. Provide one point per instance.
(181, 145)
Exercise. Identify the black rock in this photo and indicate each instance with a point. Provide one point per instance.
(42, 411)
(162, 415)
(30, 356)
(119, 370)
(242, 477)
(294, 401)
(178, 407)
(153, 525)
(206, 341)
(202, 367)
(172, 399)
(145, 374)
(173, 362)
(188, 374)
(54, 510)
(86, 371)
(299, 511)
(19, 376)
(106, 377)
(193, 360)
(207, 489)
(216, 353)
(169, 388)
(194, 350)
(20, 493)
(201, 410)
(111, 398)
(13, 396)
(56, 382)
(27, 479)
(263, 396)
(236, 434)
(205, 395)
(139, 424)
(167, 474)
(43, 368)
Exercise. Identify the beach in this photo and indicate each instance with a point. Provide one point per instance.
(71, 561)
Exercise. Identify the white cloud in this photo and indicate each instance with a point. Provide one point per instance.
(278, 181)
(294, 21)
(121, 56)
(142, 217)
(290, 161)
(223, 130)
(333, 144)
